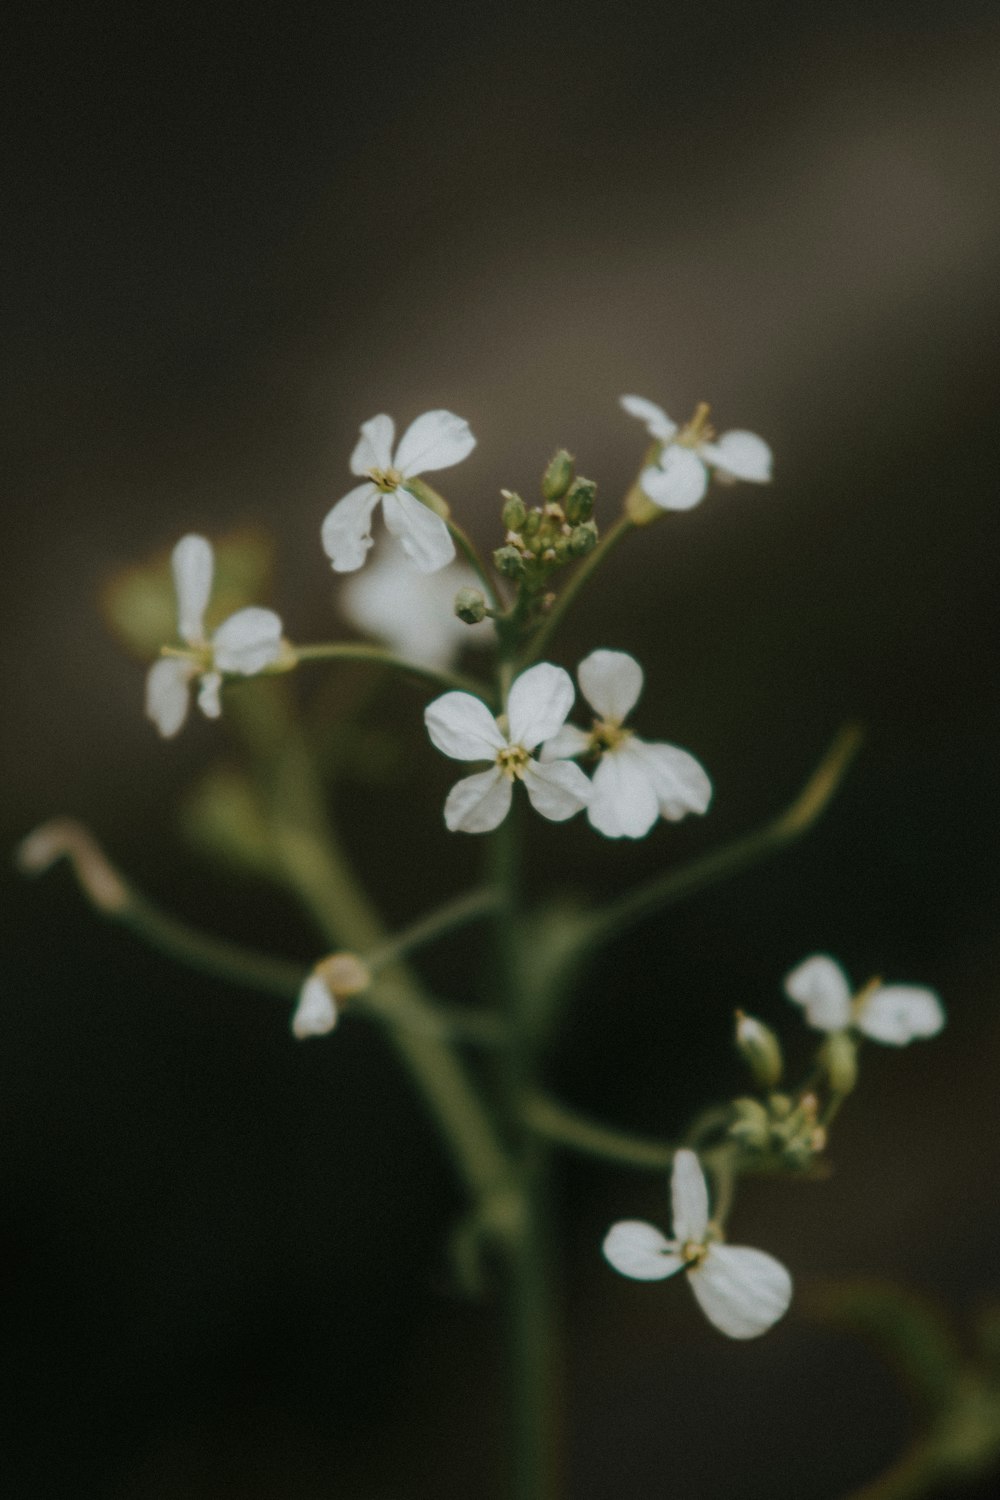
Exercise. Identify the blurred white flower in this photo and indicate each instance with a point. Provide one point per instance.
(463, 727)
(436, 440)
(890, 1013)
(246, 643)
(316, 1012)
(414, 613)
(636, 780)
(679, 477)
(742, 1292)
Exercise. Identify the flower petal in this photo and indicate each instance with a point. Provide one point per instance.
(193, 563)
(624, 802)
(167, 694)
(425, 538)
(247, 642)
(742, 1292)
(208, 695)
(568, 742)
(316, 1012)
(374, 447)
(557, 790)
(463, 727)
(478, 804)
(538, 704)
(689, 1198)
(678, 481)
(436, 440)
(347, 530)
(658, 424)
(680, 782)
(743, 455)
(611, 682)
(820, 986)
(897, 1013)
(639, 1250)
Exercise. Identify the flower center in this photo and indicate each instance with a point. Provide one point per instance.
(385, 480)
(607, 734)
(199, 657)
(693, 1252)
(513, 761)
(861, 999)
(698, 430)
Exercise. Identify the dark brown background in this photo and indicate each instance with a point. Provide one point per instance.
(231, 238)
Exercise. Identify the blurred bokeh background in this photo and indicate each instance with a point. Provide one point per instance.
(230, 236)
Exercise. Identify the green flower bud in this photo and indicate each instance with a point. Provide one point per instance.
(579, 502)
(509, 562)
(558, 476)
(761, 1049)
(470, 606)
(532, 522)
(514, 511)
(751, 1126)
(583, 539)
(839, 1059)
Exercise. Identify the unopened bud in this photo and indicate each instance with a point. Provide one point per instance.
(579, 502)
(583, 539)
(558, 476)
(760, 1048)
(470, 606)
(509, 562)
(532, 522)
(839, 1059)
(751, 1125)
(514, 511)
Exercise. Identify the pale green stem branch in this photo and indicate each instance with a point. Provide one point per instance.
(378, 657)
(470, 552)
(562, 1126)
(436, 924)
(584, 572)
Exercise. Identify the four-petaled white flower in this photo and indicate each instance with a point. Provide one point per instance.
(246, 643)
(636, 781)
(436, 440)
(679, 477)
(414, 613)
(890, 1013)
(742, 1292)
(463, 727)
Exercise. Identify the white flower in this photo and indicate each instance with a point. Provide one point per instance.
(679, 478)
(246, 643)
(890, 1013)
(636, 781)
(414, 613)
(742, 1292)
(463, 727)
(316, 1012)
(436, 440)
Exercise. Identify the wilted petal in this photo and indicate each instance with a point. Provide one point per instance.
(208, 695)
(611, 682)
(463, 727)
(820, 986)
(374, 447)
(248, 641)
(678, 481)
(624, 802)
(743, 455)
(478, 804)
(557, 790)
(316, 1013)
(639, 1250)
(347, 530)
(689, 1198)
(193, 564)
(658, 424)
(167, 694)
(436, 440)
(568, 742)
(538, 704)
(680, 782)
(897, 1013)
(742, 1292)
(425, 538)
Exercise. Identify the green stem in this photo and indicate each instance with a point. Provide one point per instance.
(584, 572)
(568, 1127)
(470, 552)
(377, 656)
(427, 929)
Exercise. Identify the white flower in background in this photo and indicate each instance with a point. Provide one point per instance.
(742, 1292)
(436, 440)
(246, 643)
(636, 781)
(414, 613)
(890, 1013)
(316, 1012)
(679, 477)
(463, 727)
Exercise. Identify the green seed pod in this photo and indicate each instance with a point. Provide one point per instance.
(514, 511)
(579, 502)
(470, 606)
(558, 476)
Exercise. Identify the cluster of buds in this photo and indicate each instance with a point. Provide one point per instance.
(780, 1125)
(547, 536)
